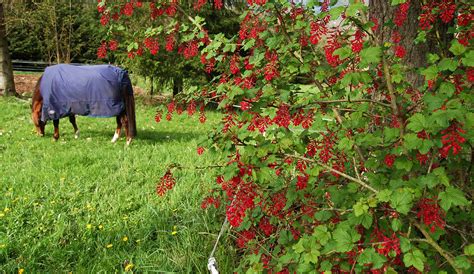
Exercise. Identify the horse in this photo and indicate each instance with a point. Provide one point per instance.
(96, 90)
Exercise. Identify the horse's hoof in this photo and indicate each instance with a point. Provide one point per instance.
(76, 135)
(129, 141)
(115, 138)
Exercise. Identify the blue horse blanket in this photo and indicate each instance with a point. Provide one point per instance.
(83, 90)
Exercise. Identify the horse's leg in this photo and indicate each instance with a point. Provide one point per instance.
(118, 130)
(127, 131)
(72, 119)
(56, 129)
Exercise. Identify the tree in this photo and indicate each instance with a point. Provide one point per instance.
(7, 84)
(338, 152)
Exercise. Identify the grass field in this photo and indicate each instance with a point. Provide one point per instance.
(88, 205)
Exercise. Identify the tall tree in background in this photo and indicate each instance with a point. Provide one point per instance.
(7, 85)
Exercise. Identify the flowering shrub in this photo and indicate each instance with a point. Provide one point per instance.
(337, 161)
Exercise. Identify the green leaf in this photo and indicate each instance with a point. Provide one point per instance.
(468, 59)
(452, 197)
(447, 89)
(401, 200)
(448, 64)
(411, 141)
(250, 43)
(345, 236)
(417, 122)
(462, 262)
(469, 250)
(456, 48)
(370, 55)
(299, 246)
(343, 52)
(360, 208)
(384, 195)
(323, 215)
(415, 259)
(321, 234)
(432, 57)
(311, 257)
(405, 244)
(370, 256)
(398, 2)
(396, 224)
(335, 12)
(430, 72)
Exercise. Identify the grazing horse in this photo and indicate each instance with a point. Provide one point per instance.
(97, 91)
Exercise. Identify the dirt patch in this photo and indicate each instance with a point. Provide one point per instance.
(25, 83)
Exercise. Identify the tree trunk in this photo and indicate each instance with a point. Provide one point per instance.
(7, 84)
(415, 56)
(177, 85)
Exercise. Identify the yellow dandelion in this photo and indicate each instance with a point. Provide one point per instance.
(2, 214)
(89, 226)
(109, 245)
(6, 209)
(125, 238)
(101, 227)
(3, 245)
(129, 267)
(174, 232)
(20, 271)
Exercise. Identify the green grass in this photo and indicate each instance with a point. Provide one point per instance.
(68, 205)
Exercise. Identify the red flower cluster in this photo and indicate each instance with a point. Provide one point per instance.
(113, 45)
(283, 117)
(104, 19)
(245, 237)
(170, 42)
(218, 4)
(452, 139)
(317, 30)
(166, 183)
(210, 201)
(241, 195)
(389, 159)
(127, 9)
(302, 182)
(400, 51)
(152, 45)
(234, 64)
(265, 226)
(102, 51)
(200, 150)
(358, 42)
(158, 116)
(401, 13)
(431, 214)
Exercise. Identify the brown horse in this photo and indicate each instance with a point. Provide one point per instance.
(98, 91)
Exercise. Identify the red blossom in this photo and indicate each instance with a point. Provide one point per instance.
(158, 116)
(200, 150)
(302, 182)
(389, 159)
(102, 51)
(266, 227)
(431, 214)
(401, 13)
(104, 19)
(113, 45)
(400, 51)
(170, 42)
(452, 140)
(166, 183)
(244, 105)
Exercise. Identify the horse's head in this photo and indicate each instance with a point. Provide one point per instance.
(36, 106)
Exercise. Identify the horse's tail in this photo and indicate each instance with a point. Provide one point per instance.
(129, 101)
